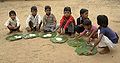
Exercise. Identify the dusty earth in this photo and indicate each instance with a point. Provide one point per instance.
(40, 50)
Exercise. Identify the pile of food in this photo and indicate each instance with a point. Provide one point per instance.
(14, 37)
(30, 36)
(59, 39)
(48, 35)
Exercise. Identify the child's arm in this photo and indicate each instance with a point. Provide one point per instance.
(83, 33)
(27, 21)
(44, 21)
(96, 43)
(18, 22)
(61, 22)
(39, 21)
(68, 22)
(92, 33)
(54, 19)
(10, 26)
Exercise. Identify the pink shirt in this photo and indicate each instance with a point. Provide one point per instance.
(91, 30)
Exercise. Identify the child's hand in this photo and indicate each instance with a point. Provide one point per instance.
(63, 31)
(28, 29)
(59, 30)
(13, 26)
(37, 28)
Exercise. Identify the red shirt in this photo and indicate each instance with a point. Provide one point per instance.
(68, 21)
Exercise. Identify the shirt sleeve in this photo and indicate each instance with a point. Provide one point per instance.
(27, 21)
(78, 21)
(102, 31)
(7, 22)
(44, 20)
(83, 32)
(39, 19)
(68, 22)
(61, 22)
(54, 18)
(18, 21)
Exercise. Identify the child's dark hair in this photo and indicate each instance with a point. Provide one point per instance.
(102, 20)
(47, 7)
(67, 9)
(33, 8)
(87, 22)
(82, 11)
(12, 12)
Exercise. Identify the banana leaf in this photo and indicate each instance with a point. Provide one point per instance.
(30, 35)
(84, 50)
(14, 37)
(76, 42)
(62, 39)
(48, 35)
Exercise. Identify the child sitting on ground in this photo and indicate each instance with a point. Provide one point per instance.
(106, 37)
(49, 20)
(13, 22)
(83, 15)
(33, 22)
(90, 30)
(67, 23)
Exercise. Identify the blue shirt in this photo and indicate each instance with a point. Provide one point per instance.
(109, 33)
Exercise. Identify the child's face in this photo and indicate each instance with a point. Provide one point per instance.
(34, 13)
(48, 11)
(12, 16)
(67, 13)
(85, 15)
(87, 27)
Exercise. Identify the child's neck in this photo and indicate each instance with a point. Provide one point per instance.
(13, 19)
(48, 14)
(34, 16)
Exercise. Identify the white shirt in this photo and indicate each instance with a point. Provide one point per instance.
(16, 21)
(35, 20)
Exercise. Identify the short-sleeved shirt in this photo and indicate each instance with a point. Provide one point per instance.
(108, 33)
(49, 19)
(12, 22)
(93, 28)
(35, 20)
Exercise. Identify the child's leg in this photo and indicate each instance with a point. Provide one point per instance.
(71, 29)
(107, 44)
(105, 50)
(18, 29)
(79, 29)
(39, 26)
(11, 30)
(31, 25)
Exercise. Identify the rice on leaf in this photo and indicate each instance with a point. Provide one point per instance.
(59, 39)
(14, 37)
(48, 35)
(30, 35)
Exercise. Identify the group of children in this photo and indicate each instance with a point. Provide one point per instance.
(106, 38)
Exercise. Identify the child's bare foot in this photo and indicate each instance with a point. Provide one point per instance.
(105, 50)
(72, 35)
(19, 31)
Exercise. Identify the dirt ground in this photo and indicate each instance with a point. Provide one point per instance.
(40, 50)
